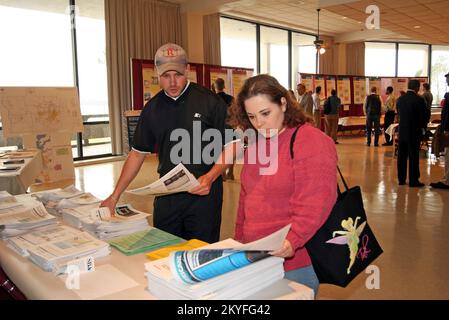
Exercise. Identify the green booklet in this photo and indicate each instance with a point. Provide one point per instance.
(144, 241)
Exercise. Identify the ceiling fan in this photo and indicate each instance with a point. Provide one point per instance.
(319, 43)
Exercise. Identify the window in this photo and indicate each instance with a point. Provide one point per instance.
(413, 60)
(380, 59)
(238, 44)
(92, 75)
(303, 55)
(36, 44)
(274, 53)
(37, 50)
(440, 66)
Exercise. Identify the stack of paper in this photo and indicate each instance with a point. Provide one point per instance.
(73, 216)
(58, 199)
(100, 223)
(23, 218)
(56, 207)
(57, 194)
(39, 236)
(144, 241)
(54, 255)
(209, 273)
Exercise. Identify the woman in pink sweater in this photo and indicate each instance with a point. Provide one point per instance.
(300, 191)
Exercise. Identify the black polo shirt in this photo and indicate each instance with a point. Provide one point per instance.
(162, 114)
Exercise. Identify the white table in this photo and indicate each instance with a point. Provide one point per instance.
(38, 284)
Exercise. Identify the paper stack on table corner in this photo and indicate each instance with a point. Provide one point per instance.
(100, 223)
(209, 273)
(21, 219)
(179, 179)
(54, 255)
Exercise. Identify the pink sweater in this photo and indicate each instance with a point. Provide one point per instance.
(302, 192)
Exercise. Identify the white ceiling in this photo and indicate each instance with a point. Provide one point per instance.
(342, 19)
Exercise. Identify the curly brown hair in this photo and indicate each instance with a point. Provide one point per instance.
(267, 85)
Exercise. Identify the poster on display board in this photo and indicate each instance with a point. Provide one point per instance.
(320, 82)
(307, 80)
(344, 89)
(215, 73)
(359, 89)
(374, 82)
(399, 84)
(331, 84)
(238, 79)
(150, 82)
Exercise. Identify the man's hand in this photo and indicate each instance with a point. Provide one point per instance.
(204, 187)
(446, 134)
(110, 203)
(286, 251)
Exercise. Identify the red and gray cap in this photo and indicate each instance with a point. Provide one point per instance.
(170, 57)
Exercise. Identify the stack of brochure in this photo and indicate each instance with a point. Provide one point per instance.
(236, 272)
(100, 223)
(39, 236)
(57, 194)
(58, 199)
(29, 215)
(54, 254)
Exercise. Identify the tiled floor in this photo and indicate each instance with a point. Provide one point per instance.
(411, 224)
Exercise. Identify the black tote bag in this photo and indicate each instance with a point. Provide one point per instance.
(345, 244)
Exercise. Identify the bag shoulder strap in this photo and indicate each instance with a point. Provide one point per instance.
(292, 156)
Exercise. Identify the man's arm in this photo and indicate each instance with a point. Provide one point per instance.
(129, 172)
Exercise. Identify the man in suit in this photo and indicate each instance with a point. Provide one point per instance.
(412, 125)
(373, 110)
(444, 184)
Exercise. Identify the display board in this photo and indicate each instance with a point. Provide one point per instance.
(359, 89)
(353, 90)
(35, 110)
(344, 89)
(331, 84)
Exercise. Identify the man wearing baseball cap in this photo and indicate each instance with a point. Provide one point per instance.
(181, 106)
(444, 184)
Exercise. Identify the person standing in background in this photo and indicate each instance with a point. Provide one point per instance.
(331, 110)
(390, 113)
(373, 109)
(228, 99)
(428, 98)
(305, 100)
(444, 183)
(412, 124)
(316, 107)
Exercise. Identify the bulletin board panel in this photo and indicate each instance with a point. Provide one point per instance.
(352, 90)
(233, 77)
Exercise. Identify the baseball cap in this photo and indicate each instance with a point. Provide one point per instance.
(170, 57)
(447, 74)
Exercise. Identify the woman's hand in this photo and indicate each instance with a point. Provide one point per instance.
(286, 251)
